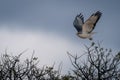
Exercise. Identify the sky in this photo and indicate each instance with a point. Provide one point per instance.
(46, 27)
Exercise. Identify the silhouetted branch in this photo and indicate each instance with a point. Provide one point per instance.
(100, 64)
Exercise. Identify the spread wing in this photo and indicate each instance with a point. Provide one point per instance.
(78, 22)
(90, 23)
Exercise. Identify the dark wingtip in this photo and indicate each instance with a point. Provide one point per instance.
(98, 13)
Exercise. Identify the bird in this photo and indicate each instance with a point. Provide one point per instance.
(85, 29)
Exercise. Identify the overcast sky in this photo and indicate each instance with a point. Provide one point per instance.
(46, 26)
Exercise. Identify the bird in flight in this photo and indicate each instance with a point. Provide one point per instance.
(84, 29)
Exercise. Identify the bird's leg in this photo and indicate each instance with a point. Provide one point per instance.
(90, 38)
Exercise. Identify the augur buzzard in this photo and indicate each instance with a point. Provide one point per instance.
(84, 29)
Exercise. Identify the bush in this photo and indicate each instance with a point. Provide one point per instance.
(11, 68)
(100, 64)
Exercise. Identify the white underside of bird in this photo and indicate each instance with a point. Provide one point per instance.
(85, 35)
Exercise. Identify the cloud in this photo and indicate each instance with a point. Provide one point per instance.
(49, 47)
